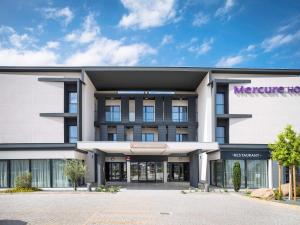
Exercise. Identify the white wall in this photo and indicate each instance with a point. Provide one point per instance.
(88, 110)
(270, 112)
(204, 111)
(22, 99)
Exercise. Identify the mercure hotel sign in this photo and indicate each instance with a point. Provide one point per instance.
(266, 90)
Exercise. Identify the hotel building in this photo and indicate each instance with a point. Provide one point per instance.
(144, 124)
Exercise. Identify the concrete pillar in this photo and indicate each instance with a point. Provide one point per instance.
(128, 171)
(194, 168)
(270, 173)
(101, 167)
(165, 163)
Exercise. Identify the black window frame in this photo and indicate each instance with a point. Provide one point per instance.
(113, 135)
(222, 105)
(146, 113)
(110, 114)
(145, 137)
(223, 137)
(181, 137)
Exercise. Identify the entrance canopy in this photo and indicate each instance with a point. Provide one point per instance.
(146, 148)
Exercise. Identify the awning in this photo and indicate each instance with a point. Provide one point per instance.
(146, 148)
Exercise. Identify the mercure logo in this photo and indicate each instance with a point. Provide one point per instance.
(267, 90)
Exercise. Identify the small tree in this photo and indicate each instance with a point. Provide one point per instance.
(74, 169)
(23, 181)
(286, 151)
(237, 175)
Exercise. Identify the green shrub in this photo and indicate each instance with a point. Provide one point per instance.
(74, 169)
(278, 194)
(236, 176)
(23, 181)
(225, 190)
(111, 189)
(298, 191)
(247, 192)
(18, 189)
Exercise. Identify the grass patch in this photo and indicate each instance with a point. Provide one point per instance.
(18, 189)
(110, 189)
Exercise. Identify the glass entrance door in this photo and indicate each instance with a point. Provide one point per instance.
(146, 171)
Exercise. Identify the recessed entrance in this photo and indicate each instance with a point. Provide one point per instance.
(146, 171)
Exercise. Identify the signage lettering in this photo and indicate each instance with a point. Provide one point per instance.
(266, 90)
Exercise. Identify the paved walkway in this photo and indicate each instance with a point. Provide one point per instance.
(144, 207)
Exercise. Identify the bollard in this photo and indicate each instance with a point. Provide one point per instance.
(89, 187)
(206, 187)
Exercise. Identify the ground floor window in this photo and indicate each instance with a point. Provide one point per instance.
(3, 173)
(40, 171)
(58, 175)
(178, 171)
(17, 168)
(116, 171)
(254, 173)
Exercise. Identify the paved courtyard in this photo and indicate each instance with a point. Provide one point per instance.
(142, 207)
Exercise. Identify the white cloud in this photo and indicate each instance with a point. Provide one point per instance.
(230, 61)
(250, 48)
(87, 33)
(52, 44)
(17, 57)
(226, 8)
(19, 40)
(10, 36)
(167, 39)
(200, 19)
(59, 13)
(278, 40)
(145, 14)
(105, 51)
(202, 49)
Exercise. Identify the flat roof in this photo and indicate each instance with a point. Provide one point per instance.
(149, 78)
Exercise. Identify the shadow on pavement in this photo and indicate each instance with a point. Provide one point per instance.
(152, 186)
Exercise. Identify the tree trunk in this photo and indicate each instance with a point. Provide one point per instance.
(290, 183)
(75, 186)
(279, 178)
(294, 182)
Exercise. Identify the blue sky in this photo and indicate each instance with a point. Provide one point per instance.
(217, 33)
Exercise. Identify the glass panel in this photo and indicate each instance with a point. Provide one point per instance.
(181, 137)
(220, 103)
(150, 171)
(228, 173)
(179, 113)
(159, 171)
(142, 171)
(257, 173)
(219, 173)
(220, 135)
(40, 170)
(148, 113)
(17, 168)
(112, 113)
(134, 171)
(72, 134)
(59, 178)
(72, 102)
(112, 137)
(148, 137)
(3, 174)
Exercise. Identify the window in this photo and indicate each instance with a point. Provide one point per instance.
(72, 102)
(72, 134)
(181, 137)
(220, 103)
(131, 110)
(112, 113)
(220, 135)
(179, 113)
(148, 137)
(148, 113)
(112, 137)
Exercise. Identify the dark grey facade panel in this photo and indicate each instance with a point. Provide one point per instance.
(162, 133)
(137, 133)
(79, 110)
(103, 133)
(70, 115)
(168, 109)
(101, 109)
(139, 109)
(192, 133)
(120, 133)
(225, 116)
(232, 81)
(159, 109)
(125, 109)
(194, 168)
(191, 109)
(58, 79)
(100, 167)
(171, 133)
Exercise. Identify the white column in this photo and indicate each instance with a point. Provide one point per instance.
(165, 171)
(128, 171)
(270, 173)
